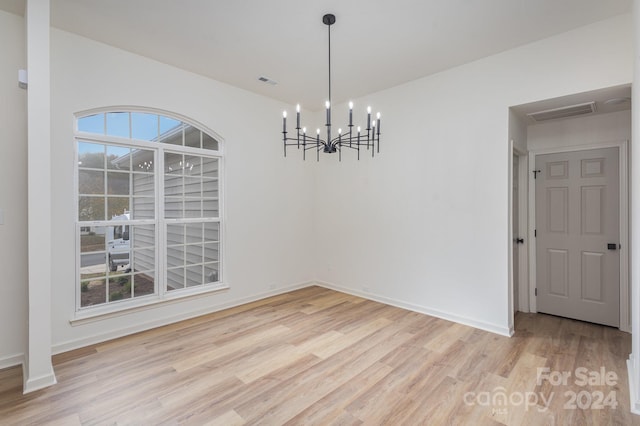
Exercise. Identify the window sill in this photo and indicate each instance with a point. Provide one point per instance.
(142, 304)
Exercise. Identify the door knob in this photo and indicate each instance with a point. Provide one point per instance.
(519, 240)
(612, 246)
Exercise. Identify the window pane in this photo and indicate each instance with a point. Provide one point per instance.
(208, 142)
(210, 208)
(91, 208)
(210, 167)
(175, 234)
(93, 292)
(117, 206)
(143, 284)
(92, 124)
(120, 287)
(193, 254)
(142, 160)
(173, 163)
(173, 185)
(93, 265)
(209, 188)
(143, 260)
(175, 279)
(211, 252)
(143, 184)
(194, 276)
(174, 135)
(92, 240)
(118, 158)
(90, 155)
(193, 187)
(194, 233)
(144, 126)
(142, 236)
(175, 256)
(193, 208)
(91, 182)
(193, 165)
(118, 124)
(211, 272)
(118, 245)
(143, 208)
(211, 231)
(167, 126)
(173, 208)
(118, 183)
(191, 136)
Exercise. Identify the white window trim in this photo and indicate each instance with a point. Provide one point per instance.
(161, 294)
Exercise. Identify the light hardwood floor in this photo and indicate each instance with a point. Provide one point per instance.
(316, 356)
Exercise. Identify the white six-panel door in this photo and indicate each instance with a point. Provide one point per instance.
(577, 225)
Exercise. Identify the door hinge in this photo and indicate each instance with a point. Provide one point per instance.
(535, 291)
(535, 174)
(535, 233)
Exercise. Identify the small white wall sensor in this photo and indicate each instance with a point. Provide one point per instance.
(23, 81)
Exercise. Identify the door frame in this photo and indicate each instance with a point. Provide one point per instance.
(623, 146)
(522, 304)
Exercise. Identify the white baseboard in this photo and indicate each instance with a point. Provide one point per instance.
(634, 403)
(11, 361)
(114, 334)
(33, 384)
(493, 328)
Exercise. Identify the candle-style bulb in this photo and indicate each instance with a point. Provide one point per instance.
(339, 131)
(368, 110)
(304, 130)
(373, 124)
(317, 131)
(358, 129)
(378, 116)
(327, 104)
(350, 105)
(298, 108)
(284, 114)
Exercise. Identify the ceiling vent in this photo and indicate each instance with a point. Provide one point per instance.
(564, 112)
(267, 80)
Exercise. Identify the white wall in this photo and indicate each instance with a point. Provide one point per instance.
(425, 225)
(268, 198)
(517, 132)
(633, 364)
(588, 130)
(13, 190)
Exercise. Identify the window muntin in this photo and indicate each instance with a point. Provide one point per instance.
(167, 239)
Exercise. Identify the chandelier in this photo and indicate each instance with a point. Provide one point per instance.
(357, 139)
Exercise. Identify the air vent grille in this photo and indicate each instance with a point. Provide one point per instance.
(564, 112)
(267, 80)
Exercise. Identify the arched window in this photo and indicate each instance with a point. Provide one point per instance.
(148, 223)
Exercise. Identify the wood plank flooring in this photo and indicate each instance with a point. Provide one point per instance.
(316, 356)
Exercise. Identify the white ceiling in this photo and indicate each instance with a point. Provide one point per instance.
(375, 44)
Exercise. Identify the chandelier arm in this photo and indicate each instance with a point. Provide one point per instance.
(313, 146)
(294, 142)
